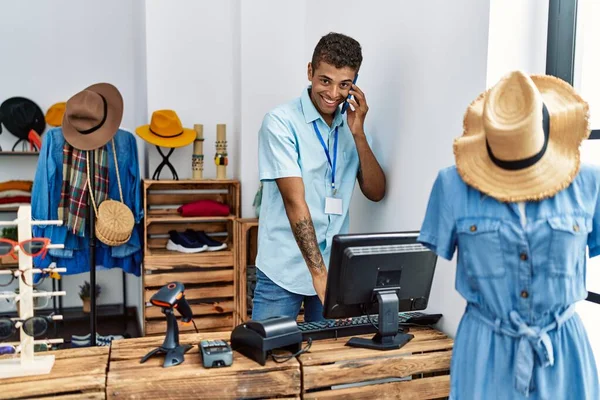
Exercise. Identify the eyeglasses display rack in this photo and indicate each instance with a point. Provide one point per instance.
(27, 363)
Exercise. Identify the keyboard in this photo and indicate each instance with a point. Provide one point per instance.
(360, 325)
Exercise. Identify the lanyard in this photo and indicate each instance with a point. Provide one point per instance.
(335, 141)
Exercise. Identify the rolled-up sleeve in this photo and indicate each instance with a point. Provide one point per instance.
(277, 150)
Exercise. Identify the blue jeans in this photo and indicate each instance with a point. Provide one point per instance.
(271, 300)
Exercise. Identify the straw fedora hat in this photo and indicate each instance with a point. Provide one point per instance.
(521, 138)
(165, 130)
(92, 117)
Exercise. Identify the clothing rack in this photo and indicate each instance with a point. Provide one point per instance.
(92, 257)
(92, 227)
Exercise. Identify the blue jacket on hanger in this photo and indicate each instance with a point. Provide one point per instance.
(46, 195)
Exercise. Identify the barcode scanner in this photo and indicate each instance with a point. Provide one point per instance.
(169, 297)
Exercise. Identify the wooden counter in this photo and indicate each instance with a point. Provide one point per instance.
(424, 363)
(128, 379)
(330, 370)
(76, 374)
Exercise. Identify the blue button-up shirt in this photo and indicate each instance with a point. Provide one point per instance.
(45, 198)
(289, 147)
(519, 334)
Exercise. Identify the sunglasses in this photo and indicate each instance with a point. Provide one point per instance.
(32, 247)
(33, 326)
(7, 278)
(38, 301)
(10, 349)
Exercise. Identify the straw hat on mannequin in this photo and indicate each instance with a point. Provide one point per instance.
(521, 138)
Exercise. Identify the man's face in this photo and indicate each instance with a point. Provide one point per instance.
(330, 86)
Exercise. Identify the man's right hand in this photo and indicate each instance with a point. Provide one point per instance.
(320, 284)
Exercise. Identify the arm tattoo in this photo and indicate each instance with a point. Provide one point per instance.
(304, 232)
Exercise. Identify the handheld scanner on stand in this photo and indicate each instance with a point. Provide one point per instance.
(172, 296)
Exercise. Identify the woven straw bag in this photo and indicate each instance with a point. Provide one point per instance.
(114, 220)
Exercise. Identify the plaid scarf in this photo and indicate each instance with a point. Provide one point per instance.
(72, 208)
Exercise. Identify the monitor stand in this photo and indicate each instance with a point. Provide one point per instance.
(388, 337)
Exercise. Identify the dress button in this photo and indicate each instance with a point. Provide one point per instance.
(523, 256)
(576, 228)
(524, 294)
(473, 228)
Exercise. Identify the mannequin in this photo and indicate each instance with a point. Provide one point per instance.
(519, 209)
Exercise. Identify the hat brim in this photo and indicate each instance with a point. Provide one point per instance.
(186, 137)
(39, 125)
(569, 126)
(107, 131)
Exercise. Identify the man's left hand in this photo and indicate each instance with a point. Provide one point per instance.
(356, 117)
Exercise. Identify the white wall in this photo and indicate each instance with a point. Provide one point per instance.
(518, 37)
(273, 71)
(193, 68)
(54, 49)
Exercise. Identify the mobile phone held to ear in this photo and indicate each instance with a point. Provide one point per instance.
(346, 104)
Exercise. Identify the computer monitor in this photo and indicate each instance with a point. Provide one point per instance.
(378, 273)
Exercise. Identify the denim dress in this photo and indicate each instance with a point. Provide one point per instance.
(519, 337)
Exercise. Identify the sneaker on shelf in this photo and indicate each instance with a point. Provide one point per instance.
(81, 343)
(109, 337)
(103, 342)
(82, 338)
(201, 237)
(184, 244)
(107, 340)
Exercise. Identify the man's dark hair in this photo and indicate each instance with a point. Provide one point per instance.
(338, 50)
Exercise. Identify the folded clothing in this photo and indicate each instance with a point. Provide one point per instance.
(204, 208)
(13, 193)
(15, 200)
(16, 185)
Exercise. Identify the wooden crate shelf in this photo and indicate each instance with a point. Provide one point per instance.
(177, 218)
(247, 232)
(166, 259)
(209, 277)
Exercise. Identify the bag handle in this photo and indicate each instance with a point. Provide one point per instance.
(87, 160)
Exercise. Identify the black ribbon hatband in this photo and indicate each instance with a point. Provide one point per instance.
(96, 127)
(529, 161)
(166, 137)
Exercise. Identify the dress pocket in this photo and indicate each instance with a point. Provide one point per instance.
(567, 243)
(480, 247)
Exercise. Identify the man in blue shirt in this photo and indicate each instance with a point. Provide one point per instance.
(310, 156)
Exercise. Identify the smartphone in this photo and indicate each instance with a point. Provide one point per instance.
(346, 104)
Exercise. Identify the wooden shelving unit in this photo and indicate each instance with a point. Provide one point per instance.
(209, 277)
(247, 232)
(19, 153)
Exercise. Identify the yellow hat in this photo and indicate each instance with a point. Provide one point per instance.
(165, 130)
(54, 115)
(521, 138)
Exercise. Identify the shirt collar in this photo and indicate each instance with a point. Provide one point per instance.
(312, 114)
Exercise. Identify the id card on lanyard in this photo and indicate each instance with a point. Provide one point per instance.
(333, 205)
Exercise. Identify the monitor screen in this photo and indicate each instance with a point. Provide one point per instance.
(363, 264)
